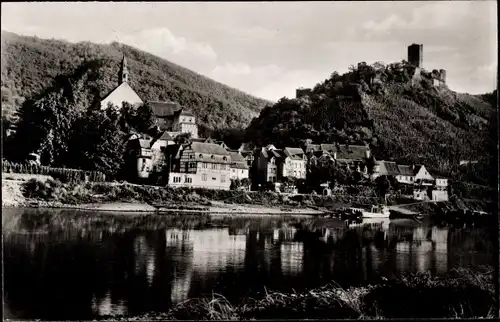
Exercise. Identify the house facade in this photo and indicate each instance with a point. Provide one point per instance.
(239, 166)
(293, 164)
(267, 163)
(171, 117)
(406, 174)
(202, 165)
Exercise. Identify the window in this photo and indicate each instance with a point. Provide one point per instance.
(188, 180)
(212, 157)
(234, 171)
(200, 156)
(224, 158)
(204, 177)
(222, 178)
(177, 179)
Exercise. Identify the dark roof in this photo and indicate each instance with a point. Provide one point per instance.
(237, 161)
(351, 152)
(392, 168)
(165, 136)
(270, 153)
(313, 148)
(165, 109)
(328, 147)
(208, 148)
(185, 112)
(294, 153)
(405, 170)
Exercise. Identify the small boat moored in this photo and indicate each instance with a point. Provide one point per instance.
(376, 211)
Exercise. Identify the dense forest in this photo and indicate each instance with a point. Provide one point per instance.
(400, 119)
(32, 67)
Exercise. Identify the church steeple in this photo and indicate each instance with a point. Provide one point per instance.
(124, 71)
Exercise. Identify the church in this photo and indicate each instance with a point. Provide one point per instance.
(170, 116)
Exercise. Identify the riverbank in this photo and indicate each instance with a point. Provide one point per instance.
(41, 191)
(43, 195)
(461, 294)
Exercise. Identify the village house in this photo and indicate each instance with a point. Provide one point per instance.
(353, 157)
(146, 155)
(173, 118)
(406, 174)
(205, 165)
(267, 162)
(239, 166)
(247, 150)
(386, 168)
(293, 164)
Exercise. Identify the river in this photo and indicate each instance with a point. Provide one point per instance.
(71, 265)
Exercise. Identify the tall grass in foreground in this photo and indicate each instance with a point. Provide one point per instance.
(462, 294)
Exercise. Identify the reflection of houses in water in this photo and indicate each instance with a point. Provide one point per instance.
(144, 258)
(215, 249)
(105, 306)
(182, 268)
(284, 234)
(333, 234)
(292, 258)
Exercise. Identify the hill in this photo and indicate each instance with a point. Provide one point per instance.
(401, 119)
(31, 67)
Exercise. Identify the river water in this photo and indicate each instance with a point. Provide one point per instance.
(74, 266)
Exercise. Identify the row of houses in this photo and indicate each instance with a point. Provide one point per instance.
(203, 162)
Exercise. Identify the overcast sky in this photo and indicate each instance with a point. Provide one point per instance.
(270, 49)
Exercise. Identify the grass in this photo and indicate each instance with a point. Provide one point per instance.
(462, 294)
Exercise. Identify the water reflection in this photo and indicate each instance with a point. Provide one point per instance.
(81, 274)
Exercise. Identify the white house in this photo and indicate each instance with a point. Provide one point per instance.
(239, 166)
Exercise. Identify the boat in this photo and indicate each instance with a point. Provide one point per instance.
(379, 211)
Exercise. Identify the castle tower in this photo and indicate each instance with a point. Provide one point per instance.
(442, 72)
(124, 71)
(416, 55)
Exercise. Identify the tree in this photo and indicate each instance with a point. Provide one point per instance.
(382, 185)
(98, 142)
(183, 139)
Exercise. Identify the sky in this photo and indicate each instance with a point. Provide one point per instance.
(269, 49)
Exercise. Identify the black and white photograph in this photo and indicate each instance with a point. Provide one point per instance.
(296, 160)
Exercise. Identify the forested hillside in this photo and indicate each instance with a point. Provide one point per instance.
(31, 66)
(401, 120)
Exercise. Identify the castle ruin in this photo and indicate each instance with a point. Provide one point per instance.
(416, 59)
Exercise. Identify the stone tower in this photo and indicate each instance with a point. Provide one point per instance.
(416, 55)
(124, 71)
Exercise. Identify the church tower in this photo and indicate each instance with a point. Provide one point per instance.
(124, 71)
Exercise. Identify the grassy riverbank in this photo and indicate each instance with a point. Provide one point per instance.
(462, 294)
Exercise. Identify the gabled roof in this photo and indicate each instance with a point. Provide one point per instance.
(294, 153)
(405, 170)
(166, 137)
(164, 109)
(272, 153)
(417, 168)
